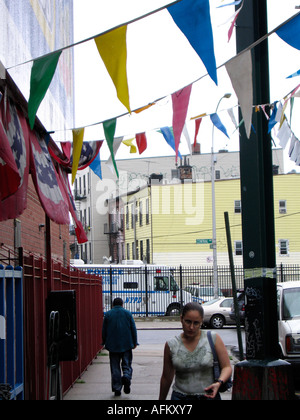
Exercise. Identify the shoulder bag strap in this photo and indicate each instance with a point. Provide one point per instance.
(216, 361)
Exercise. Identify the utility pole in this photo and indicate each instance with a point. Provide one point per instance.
(262, 375)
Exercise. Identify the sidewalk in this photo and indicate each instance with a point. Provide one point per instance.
(95, 384)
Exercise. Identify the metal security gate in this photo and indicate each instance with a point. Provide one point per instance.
(11, 333)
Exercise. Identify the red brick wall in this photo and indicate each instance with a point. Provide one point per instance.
(33, 237)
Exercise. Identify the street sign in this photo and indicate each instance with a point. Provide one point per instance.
(203, 241)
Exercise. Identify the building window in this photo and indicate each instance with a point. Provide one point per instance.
(283, 247)
(238, 246)
(148, 251)
(141, 213)
(147, 212)
(238, 206)
(127, 217)
(132, 216)
(282, 207)
(128, 252)
(142, 250)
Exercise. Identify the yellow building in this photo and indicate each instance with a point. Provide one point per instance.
(172, 224)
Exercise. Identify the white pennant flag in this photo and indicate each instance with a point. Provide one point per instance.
(292, 145)
(284, 134)
(188, 139)
(240, 71)
(116, 144)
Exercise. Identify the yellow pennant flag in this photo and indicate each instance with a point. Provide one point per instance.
(78, 135)
(128, 143)
(113, 50)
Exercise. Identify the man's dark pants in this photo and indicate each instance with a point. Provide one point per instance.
(118, 360)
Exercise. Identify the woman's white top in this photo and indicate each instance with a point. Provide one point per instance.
(194, 370)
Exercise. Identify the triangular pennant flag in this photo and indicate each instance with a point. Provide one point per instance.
(235, 17)
(292, 108)
(290, 32)
(193, 19)
(235, 3)
(141, 141)
(240, 72)
(113, 50)
(292, 144)
(284, 134)
(109, 131)
(218, 123)
(272, 120)
(138, 111)
(42, 73)
(168, 135)
(78, 135)
(188, 139)
(96, 166)
(197, 123)
(232, 117)
(116, 145)
(282, 119)
(128, 143)
(180, 101)
(294, 75)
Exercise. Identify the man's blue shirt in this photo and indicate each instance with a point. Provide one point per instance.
(119, 332)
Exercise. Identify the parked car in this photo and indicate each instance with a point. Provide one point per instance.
(241, 304)
(202, 294)
(217, 312)
(288, 306)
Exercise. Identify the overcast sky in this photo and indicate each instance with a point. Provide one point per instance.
(160, 61)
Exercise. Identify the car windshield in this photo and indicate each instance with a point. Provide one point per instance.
(291, 303)
(211, 302)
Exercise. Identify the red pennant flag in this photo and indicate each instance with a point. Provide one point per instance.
(17, 132)
(64, 182)
(198, 123)
(181, 100)
(9, 173)
(141, 142)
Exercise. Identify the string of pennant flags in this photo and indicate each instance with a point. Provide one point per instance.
(193, 19)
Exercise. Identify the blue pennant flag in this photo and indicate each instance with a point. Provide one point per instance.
(218, 123)
(290, 32)
(235, 3)
(294, 75)
(168, 134)
(193, 19)
(272, 120)
(96, 166)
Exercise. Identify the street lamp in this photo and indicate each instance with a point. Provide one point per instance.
(214, 240)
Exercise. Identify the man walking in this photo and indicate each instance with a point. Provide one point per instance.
(120, 338)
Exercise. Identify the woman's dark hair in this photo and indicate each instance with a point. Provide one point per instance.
(193, 306)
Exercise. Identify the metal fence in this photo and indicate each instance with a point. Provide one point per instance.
(11, 333)
(159, 291)
(89, 323)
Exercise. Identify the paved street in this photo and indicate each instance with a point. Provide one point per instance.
(160, 336)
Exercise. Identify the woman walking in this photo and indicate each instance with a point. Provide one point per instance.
(189, 358)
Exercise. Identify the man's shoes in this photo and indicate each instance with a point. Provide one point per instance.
(126, 384)
(117, 393)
